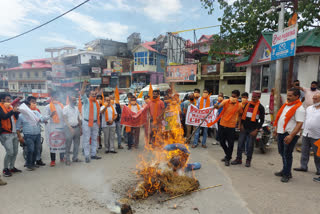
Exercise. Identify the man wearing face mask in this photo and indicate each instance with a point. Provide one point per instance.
(251, 121)
(100, 101)
(186, 105)
(196, 94)
(229, 117)
(311, 134)
(155, 108)
(109, 115)
(73, 129)
(33, 106)
(117, 107)
(309, 93)
(244, 99)
(90, 123)
(133, 133)
(203, 102)
(55, 126)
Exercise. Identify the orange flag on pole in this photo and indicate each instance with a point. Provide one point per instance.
(150, 94)
(116, 95)
(140, 95)
(67, 102)
(80, 105)
(102, 98)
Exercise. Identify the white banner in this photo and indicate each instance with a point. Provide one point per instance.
(195, 116)
(55, 137)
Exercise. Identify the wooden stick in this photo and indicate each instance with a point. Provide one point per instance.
(197, 190)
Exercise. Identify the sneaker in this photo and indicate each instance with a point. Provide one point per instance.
(194, 146)
(7, 173)
(316, 179)
(95, 157)
(236, 161)
(248, 163)
(223, 159)
(120, 147)
(100, 147)
(29, 168)
(114, 152)
(15, 170)
(280, 174)
(2, 182)
(40, 163)
(52, 163)
(87, 160)
(300, 169)
(227, 163)
(285, 179)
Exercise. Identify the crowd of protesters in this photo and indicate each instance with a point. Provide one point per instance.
(96, 117)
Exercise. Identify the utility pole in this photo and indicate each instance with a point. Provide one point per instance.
(279, 66)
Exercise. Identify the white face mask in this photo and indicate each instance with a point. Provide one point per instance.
(316, 104)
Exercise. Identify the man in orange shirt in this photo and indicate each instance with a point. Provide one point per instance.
(229, 117)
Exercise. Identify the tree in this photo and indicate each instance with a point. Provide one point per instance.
(244, 20)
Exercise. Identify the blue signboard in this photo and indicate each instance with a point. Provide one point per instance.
(284, 43)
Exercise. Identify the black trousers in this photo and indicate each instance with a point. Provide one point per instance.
(227, 135)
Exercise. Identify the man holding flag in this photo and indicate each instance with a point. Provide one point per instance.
(251, 121)
(288, 123)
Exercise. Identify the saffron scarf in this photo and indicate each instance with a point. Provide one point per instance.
(289, 114)
(6, 124)
(106, 113)
(55, 117)
(202, 102)
(255, 111)
(317, 143)
(227, 117)
(91, 111)
(128, 128)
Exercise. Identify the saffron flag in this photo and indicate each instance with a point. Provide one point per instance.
(132, 119)
(140, 95)
(150, 94)
(116, 95)
(80, 105)
(67, 102)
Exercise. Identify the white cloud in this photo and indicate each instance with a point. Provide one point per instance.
(57, 38)
(161, 10)
(117, 5)
(113, 30)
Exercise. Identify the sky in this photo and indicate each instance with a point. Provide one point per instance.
(112, 19)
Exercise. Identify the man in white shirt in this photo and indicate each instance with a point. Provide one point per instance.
(309, 93)
(288, 124)
(311, 134)
(108, 125)
(73, 129)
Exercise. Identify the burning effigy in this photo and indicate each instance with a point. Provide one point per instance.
(162, 169)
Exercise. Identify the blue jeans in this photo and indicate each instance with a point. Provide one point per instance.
(33, 144)
(245, 142)
(118, 131)
(204, 137)
(285, 150)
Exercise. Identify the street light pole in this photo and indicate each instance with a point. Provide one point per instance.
(279, 66)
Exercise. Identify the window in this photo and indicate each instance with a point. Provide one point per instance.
(13, 75)
(36, 74)
(151, 57)
(20, 75)
(237, 82)
(141, 58)
(39, 86)
(25, 85)
(93, 57)
(13, 87)
(28, 74)
(32, 86)
(44, 73)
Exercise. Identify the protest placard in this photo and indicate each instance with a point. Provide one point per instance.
(195, 116)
